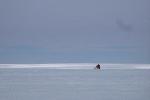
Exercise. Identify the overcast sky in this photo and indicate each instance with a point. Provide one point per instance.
(51, 31)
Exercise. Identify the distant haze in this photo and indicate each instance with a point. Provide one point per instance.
(56, 31)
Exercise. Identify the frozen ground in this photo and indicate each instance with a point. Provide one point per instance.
(77, 66)
(71, 84)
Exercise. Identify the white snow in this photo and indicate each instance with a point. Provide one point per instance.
(77, 66)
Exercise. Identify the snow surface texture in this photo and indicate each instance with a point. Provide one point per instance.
(54, 84)
(77, 66)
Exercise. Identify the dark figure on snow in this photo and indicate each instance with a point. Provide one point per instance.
(98, 66)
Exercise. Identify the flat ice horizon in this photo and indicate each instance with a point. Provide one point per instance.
(77, 66)
(74, 81)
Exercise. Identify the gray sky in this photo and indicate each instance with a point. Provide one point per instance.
(49, 31)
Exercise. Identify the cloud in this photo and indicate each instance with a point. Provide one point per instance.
(124, 26)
